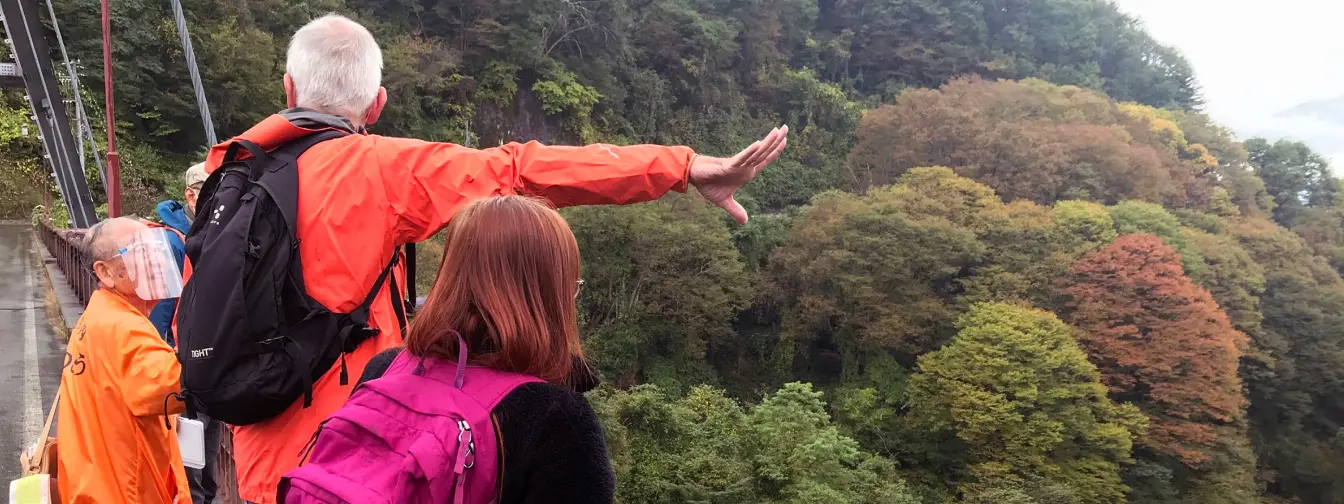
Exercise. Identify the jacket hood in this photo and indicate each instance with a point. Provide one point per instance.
(279, 129)
(174, 215)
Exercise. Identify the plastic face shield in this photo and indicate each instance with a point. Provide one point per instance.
(151, 266)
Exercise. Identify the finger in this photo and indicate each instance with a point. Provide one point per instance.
(778, 150)
(745, 155)
(762, 147)
(774, 156)
(762, 156)
(734, 210)
(769, 144)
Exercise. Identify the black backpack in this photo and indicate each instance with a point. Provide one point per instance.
(251, 340)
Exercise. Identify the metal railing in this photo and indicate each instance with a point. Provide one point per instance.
(64, 246)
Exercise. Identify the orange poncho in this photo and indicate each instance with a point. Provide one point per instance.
(114, 447)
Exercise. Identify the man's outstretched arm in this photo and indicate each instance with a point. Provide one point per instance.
(428, 182)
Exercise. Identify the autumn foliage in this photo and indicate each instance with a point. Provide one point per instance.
(929, 304)
(1031, 140)
(1159, 341)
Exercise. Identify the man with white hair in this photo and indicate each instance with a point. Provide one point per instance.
(362, 196)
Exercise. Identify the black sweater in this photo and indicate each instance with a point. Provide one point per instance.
(553, 447)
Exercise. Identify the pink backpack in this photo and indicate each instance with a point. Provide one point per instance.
(419, 434)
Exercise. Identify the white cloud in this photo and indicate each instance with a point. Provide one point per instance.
(1255, 59)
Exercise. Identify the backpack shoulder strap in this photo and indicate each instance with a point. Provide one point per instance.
(405, 307)
(359, 331)
(403, 361)
(283, 185)
(361, 313)
(488, 387)
(410, 276)
(292, 150)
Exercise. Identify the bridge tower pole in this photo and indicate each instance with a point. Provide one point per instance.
(24, 33)
(113, 160)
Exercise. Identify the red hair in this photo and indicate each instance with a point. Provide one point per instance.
(509, 277)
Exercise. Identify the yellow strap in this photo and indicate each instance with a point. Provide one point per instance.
(46, 431)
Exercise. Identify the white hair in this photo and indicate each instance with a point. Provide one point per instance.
(336, 66)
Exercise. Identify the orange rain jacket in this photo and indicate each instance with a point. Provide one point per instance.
(363, 196)
(114, 447)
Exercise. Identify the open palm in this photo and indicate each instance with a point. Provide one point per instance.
(718, 179)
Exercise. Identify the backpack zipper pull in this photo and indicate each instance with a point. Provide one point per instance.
(312, 443)
(345, 376)
(465, 448)
(466, 454)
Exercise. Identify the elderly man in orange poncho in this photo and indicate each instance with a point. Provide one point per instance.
(119, 377)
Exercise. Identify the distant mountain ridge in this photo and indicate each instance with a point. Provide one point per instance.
(1330, 110)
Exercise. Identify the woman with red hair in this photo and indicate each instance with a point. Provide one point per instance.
(502, 310)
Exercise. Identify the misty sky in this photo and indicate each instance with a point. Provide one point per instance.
(1257, 58)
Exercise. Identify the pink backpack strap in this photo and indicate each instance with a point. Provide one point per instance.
(487, 386)
(490, 387)
(401, 363)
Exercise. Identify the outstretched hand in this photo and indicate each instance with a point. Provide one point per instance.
(718, 179)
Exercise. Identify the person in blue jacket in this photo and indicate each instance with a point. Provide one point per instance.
(179, 217)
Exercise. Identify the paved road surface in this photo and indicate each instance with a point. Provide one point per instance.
(30, 353)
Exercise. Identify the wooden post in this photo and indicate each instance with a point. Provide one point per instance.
(226, 474)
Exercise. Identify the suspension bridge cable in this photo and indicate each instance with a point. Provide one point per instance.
(190, 54)
(81, 116)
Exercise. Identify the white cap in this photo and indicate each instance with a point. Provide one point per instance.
(196, 174)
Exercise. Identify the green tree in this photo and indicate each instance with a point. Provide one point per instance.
(1236, 175)
(863, 275)
(1233, 278)
(667, 450)
(1294, 386)
(1088, 43)
(1024, 401)
(1323, 231)
(704, 448)
(662, 285)
(1024, 251)
(1296, 176)
(1084, 226)
(26, 182)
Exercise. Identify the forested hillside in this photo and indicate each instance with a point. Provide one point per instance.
(1005, 258)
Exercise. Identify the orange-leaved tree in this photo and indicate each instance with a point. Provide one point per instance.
(1160, 342)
